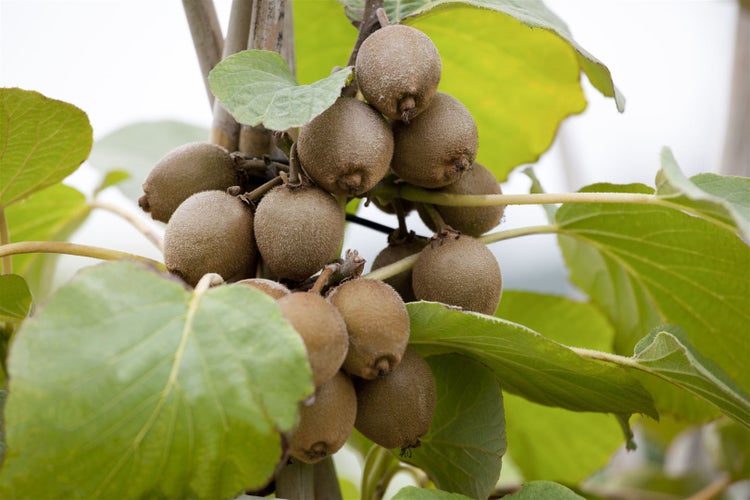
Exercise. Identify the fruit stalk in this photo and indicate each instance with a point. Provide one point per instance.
(207, 38)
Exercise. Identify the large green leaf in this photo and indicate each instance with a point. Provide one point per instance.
(536, 490)
(127, 385)
(42, 141)
(526, 363)
(137, 147)
(649, 265)
(52, 214)
(523, 65)
(543, 439)
(463, 450)
(667, 353)
(414, 493)
(257, 87)
(15, 301)
(720, 198)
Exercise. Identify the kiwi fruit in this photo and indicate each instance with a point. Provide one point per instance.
(377, 323)
(186, 170)
(396, 250)
(474, 221)
(347, 149)
(458, 270)
(325, 425)
(274, 289)
(398, 70)
(322, 329)
(396, 410)
(210, 232)
(438, 146)
(298, 230)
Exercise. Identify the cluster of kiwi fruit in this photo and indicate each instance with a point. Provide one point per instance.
(278, 229)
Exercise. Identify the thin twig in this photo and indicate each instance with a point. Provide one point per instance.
(147, 231)
(207, 38)
(61, 247)
(367, 27)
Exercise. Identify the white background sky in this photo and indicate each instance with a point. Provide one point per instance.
(124, 61)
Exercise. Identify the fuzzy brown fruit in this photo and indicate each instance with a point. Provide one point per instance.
(298, 230)
(395, 251)
(474, 221)
(377, 323)
(396, 410)
(398, 70)
(210, 232)
(438, 146)
(322, 329)
(347, 149)
(184, 171)
(459, 271)
(273, 289)
(325, 425)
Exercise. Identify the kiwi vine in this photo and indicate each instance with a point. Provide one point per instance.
(273, 217)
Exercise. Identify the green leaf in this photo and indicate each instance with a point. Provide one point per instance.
(667, 353)
(257, 87)
(52, 214)
(733, 448)
(536, 490)
(112, 178)
(463, 450)
(136, 148)
(15, 301)
(720, 198)
(542, 439)
(414, 493)
(527, 363)
(523, 65)
(42, 141)
(127, 385)
(647, 265)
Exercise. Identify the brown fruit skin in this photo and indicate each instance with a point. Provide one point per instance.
(347, 149)
(273, 289)
(377, 323)
(184, 171)
(474, 221)
(298, 230)
(322, 329)
(396, 410)
(458, 271)
(324, 426)
(210, 232)
(396, 251)
(398, 70)
(437, 146)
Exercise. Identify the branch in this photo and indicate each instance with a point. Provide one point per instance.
(413, 193)
(61, 247)
(207, 38)
(141, 226)
(225, 130)
(6, 264)
(271, 28)
(408, 262)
